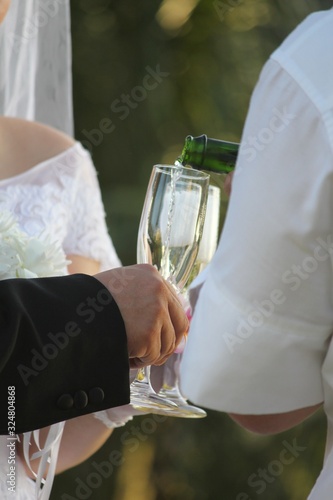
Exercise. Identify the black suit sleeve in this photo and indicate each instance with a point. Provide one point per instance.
(63, 348)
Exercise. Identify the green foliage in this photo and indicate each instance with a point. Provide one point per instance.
(146, 74)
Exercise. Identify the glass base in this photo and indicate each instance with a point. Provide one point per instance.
(145, 399)
(184, 410)
(168, 401)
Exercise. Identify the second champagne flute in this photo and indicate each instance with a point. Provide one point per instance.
(170, 388)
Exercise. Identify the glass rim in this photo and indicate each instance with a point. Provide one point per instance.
(191, 172)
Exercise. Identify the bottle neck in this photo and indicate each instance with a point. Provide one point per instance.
(204, 153)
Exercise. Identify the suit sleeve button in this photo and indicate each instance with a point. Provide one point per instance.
(65, 402)
(80, 400)
(96, 395)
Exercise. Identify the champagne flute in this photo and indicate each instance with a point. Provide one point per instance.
(169, 235)
(170, 387)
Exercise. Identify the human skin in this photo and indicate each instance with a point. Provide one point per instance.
(4, 5)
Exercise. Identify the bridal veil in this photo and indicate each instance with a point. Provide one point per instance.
(35, 63)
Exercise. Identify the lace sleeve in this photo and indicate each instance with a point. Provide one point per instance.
(87, 232)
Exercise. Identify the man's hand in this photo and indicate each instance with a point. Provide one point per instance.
(154, 319)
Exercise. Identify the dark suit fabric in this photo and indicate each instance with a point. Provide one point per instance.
(63, 348)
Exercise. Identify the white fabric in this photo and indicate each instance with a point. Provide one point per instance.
(48, 455)
(117, 417)
(35, 63)
(260, 338)
(61, 194)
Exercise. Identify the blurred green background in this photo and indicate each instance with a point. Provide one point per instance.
(146, 74)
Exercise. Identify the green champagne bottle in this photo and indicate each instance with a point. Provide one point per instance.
(203, 153)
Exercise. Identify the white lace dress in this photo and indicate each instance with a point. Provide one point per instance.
(60, 195)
